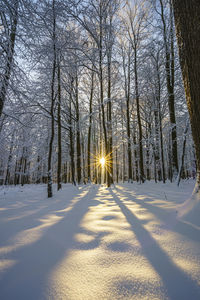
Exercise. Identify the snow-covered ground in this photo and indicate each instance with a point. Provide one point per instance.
(91, 243)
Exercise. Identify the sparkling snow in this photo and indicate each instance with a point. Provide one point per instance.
(92, 242)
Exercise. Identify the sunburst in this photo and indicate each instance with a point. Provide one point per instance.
(102, 161)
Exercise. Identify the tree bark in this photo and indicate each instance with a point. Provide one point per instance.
(102, 89)
(141, 163)
(187, 20)
(110, 150)
(71, 138)
(59, 186)
(9, 58)
(90, 127)
(7, 178)
(78, 139)
(160, 120)
(49, 183)
(130, 176)
(181, 166)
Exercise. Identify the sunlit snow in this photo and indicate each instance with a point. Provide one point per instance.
(93, 242)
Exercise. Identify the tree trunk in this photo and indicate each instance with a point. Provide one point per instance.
(183, 154)
(71, 138)
(9, 160)
(78, 139)
(24, 166)
(38, 176)
(130, 177)
(117, 166)
(148, 138)
(83, 158)
(186, 14)
(160, 121)
(95, 171)
(49, 183)
(110, 151)
(157, 141)
(59, 186)
(141, 164)
(89, 128)
(135, 156)
(123, 149)
(102, 90)
(9, 58)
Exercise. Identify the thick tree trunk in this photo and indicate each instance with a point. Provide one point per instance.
(10, 54)
(187, 20)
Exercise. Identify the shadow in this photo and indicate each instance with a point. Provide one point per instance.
(28, 278)
(92, 244)
(167, 217)
(176, 282)
(119, 247)
(107, 218)
(31, 218)
(96, 202)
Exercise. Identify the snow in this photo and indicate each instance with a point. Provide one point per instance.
(93, 242)
(189, 211)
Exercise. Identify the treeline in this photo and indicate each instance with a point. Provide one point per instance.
(81, 80)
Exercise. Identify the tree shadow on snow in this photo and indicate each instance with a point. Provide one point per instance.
(176, 282)
(29, 216)
(28, 278)
(168, 218)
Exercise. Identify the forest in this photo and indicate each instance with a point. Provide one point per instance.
(99, 149)
(83, 81)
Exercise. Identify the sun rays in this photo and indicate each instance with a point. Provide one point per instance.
(102, 162)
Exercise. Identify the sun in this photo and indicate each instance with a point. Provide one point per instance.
(102, 161)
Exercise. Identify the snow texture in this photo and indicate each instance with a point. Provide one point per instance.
(92, 242)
